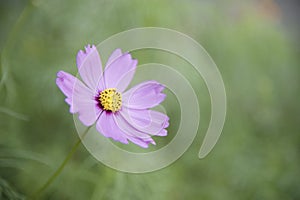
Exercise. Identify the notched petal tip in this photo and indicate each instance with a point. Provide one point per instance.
(81, 55)
(60, 75)
(117, 52)
(163, 132)
(159, 88)
(166, 123)
(113, 56)
(134, 62)
(65, 82)
(90, 47)
(142, 142)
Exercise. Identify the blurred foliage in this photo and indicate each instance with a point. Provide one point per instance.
(257, 156)
(7, 192)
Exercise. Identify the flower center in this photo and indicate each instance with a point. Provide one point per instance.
(110, 99)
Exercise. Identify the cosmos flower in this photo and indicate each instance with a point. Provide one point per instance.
(101, 98)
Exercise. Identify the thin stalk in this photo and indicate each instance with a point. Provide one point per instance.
(61, 167)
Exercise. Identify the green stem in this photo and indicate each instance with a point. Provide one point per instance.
(61, 167)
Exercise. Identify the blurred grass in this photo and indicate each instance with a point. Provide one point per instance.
(257, 157)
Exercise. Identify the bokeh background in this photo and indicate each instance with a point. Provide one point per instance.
(255, 46)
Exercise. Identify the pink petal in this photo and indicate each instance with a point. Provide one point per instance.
(114, 55)
(79, 97)
(120, 71)
(144, 95)
(129, 130)
(142, 142)
(107, 126)
(163, 132)
(133, 134)
(90, 67)
(65, 82)
(147, 121)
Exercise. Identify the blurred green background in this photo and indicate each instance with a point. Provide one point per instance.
(252, 42)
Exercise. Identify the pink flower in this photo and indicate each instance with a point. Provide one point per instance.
(100, 98)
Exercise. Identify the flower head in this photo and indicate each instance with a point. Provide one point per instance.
(101, 98)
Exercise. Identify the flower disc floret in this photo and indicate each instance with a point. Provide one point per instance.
(110, 99)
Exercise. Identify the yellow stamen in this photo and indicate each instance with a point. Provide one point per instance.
(110, 99)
